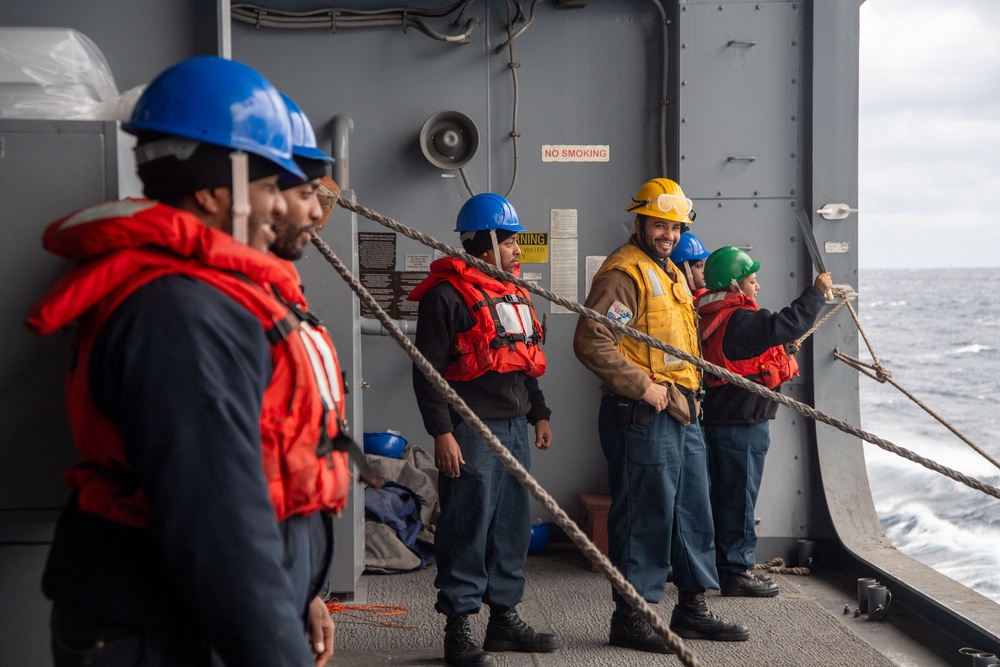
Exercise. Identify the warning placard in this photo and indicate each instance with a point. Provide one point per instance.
(376, 251)
(405, 282)
(534, 247)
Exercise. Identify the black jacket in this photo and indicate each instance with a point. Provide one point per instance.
(748, 334)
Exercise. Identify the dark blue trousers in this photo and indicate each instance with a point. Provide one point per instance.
(82, 640)
(482, 535)
(736, 464)
(660, 509)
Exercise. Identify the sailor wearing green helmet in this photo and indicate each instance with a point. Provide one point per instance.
(748, 341)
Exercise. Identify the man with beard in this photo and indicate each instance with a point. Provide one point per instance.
(190, 534)
(305, 216)
(657, 459)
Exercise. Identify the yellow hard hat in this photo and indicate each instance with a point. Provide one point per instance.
(662, 198)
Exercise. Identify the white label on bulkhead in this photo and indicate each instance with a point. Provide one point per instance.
(576, 153)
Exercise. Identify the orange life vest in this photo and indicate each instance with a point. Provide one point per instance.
(125, 245)
(505, 337)
(770, 368)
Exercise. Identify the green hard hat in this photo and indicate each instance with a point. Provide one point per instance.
(727, 264)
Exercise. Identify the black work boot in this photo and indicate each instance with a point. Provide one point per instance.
(459, 649)
(630, 630)
(692, 620)
(747, 584)
(506, 631)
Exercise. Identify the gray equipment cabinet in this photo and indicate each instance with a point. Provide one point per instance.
(57, 166)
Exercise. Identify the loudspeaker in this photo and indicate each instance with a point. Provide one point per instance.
(449, 139)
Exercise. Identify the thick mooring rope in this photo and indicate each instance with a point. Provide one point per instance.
(777, 566)
(752, 387)
(627, 591)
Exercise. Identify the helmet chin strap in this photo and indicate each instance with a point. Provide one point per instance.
(241, 197)
(687, 270)
(496, 249)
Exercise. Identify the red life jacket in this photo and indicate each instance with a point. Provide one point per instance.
(127, 244)
(506, 335)
(770, 368)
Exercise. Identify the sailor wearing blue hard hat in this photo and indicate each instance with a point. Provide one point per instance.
(306, 214)
(481, 333)
(189, 537)
(216, 127)
(689, 255)
(485, 221)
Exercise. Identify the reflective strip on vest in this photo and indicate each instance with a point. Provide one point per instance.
(654, 281)
(118, 208)
(516, 319)
(324, 366)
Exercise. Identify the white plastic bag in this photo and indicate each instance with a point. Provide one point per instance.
(55, 73)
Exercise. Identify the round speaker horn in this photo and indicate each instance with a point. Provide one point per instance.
(449, 139)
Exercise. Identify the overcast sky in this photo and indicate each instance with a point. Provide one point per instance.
(929, 172)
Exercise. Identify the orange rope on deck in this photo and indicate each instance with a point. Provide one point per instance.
(369, 614)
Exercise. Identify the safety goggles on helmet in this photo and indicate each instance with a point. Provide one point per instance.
(666, 203)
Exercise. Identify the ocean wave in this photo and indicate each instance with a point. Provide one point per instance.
(969, 554)
(945, 448)
(975, 348)
(919, 532)
(885, 303)
(941, 344)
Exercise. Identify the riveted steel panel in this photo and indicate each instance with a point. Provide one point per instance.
(768, 231)
(738, 86)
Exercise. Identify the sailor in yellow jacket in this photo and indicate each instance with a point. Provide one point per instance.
(657, 459)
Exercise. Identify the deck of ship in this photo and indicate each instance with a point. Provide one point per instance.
(804, 625)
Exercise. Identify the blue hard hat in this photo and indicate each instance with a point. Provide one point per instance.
(385, 443)
(303, 138)
(689, 249)
(220, 102)
(487, 211)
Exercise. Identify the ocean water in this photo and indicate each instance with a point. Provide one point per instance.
(938, 331)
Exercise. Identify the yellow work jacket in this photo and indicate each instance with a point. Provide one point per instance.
(664, 311)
